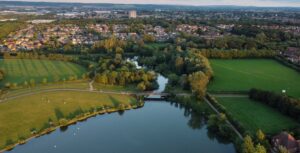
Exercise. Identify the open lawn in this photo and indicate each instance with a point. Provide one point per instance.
(20, 70)
(244, 74)
(254, 115)
(19, 115)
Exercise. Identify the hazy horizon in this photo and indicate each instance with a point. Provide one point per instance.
(262, 3)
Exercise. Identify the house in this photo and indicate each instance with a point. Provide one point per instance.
(292, 54)
(286, 140)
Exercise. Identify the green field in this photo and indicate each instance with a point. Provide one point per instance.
(19, 115)
(254, 115)
(20, 70)
(244, 74)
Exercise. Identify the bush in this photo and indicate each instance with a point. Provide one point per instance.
(9, 142)
(63, 121)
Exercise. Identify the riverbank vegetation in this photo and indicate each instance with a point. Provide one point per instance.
(35, 113)
(123, 73)
(188, 68)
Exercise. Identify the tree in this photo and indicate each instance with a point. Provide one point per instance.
(44, 81)
(260, 136)
(1, 74)
(179, 64)
(25, 84)
(282, 149)
(119, 50)
(32, 82)
(141, 86)
(248, 146)
(198, 82)
(261, 37)
(148, 38)
(68, 47)
(260, 149)
(7, 85)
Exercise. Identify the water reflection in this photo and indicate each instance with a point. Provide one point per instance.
(158, 127)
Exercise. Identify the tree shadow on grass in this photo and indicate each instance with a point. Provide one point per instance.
(114, 101)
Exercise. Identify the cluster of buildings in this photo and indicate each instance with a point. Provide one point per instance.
(292, 54)
(121, 31)
(32, 38)
(287, 141)
(295, 30)
(204, 31)
(21, 40)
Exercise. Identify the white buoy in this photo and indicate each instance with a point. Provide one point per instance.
(78, 128)
(54, 146)
(74, 134)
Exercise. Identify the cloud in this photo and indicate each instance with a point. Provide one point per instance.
(294, 3)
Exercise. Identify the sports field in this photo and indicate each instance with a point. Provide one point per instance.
(21, 70)
(19, 115)
(244, 74)
(254, 115)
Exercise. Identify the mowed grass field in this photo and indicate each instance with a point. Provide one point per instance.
(254, 115)
(244, 74)
(19, 115)
(21, 70)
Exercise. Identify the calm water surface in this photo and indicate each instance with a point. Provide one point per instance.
(158, 127)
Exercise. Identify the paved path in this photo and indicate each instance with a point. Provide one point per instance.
(223, 95)
(232, 127)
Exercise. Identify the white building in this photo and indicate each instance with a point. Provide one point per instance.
(132, 14)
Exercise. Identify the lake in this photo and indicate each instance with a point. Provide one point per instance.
(158, 127)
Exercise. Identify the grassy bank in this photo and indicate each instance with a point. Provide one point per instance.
(254, 115)
(244, 74)
(20, 70)
(35, 113)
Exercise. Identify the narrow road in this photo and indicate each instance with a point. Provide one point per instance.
(216, 110)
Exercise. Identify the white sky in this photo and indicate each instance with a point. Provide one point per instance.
(294, 3)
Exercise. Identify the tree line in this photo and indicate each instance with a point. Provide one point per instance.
(120, 72)
(35, 55)
(284, 104)
(235, 54)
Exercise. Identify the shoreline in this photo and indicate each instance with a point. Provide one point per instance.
(70, 122)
